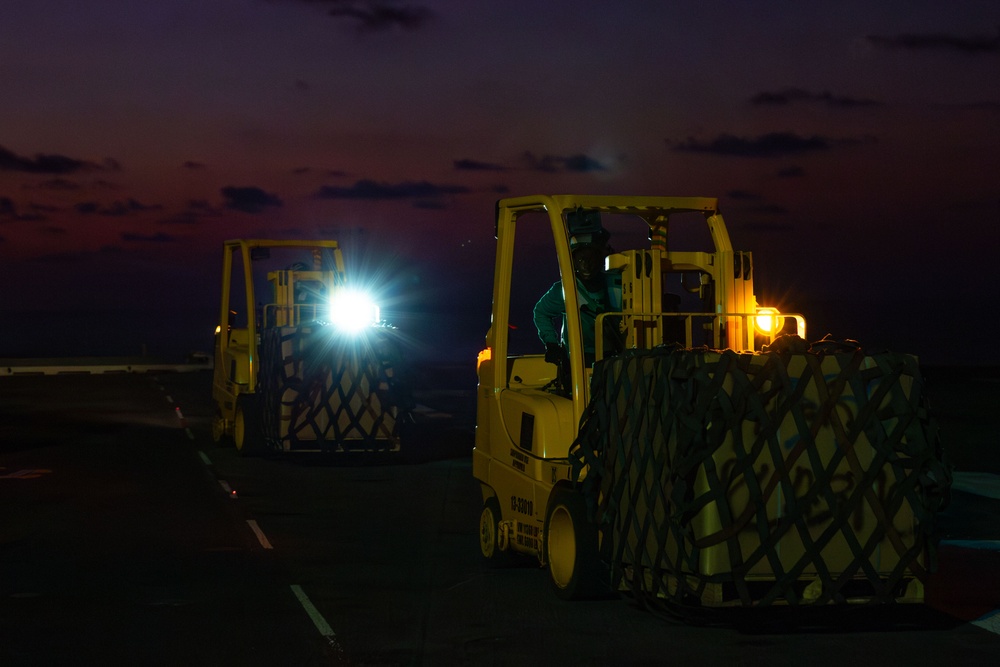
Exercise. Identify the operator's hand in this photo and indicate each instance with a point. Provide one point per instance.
(554, 353)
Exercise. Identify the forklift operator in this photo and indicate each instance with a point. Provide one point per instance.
(597, 295)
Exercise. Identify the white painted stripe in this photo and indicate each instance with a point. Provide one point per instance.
(990, 621)
(169, 397)
(184, 423)
(204, 459)
(228, 489)
(317, 618)
(261, 537)
(979, 483)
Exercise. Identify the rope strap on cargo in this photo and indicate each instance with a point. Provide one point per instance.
(321, 388)
(794, 476)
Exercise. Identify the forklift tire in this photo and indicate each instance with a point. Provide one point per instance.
(571, 548)
(219, 435)
(489, 535)
(248, 436)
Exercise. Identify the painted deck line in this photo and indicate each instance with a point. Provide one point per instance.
(990, 621)
(261, 537)
(314, 615)
(228, 489)
(979, 483)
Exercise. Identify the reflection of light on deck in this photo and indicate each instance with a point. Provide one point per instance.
(979, 483)
(26, 473)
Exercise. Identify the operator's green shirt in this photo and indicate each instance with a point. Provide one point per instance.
(553, 304)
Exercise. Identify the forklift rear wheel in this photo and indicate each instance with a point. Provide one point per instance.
(489, 534)
(247, 435)
(571, 544)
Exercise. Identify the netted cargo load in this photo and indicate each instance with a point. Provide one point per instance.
(793, 476)
(322, 390)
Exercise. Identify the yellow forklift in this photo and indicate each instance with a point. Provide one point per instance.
(691, 447)
(303, 360)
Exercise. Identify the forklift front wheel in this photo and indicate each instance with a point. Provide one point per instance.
(571, 548)
(247, 434)
(219, 435)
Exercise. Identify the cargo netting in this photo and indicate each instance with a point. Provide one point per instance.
(320, 389)
(801, 475)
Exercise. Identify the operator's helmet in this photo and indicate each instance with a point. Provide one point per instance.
(585, 228)
(598, 238)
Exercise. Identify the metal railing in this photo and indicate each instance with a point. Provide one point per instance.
(648, 330)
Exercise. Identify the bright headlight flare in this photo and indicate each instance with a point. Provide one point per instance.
(353, 310)
(768, 321)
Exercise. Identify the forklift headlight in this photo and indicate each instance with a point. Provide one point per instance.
(768, 321)
(353, 310)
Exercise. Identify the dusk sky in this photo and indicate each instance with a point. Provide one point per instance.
(854, 147)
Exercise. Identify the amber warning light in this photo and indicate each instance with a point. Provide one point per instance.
(768, 321)
(484, 355)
